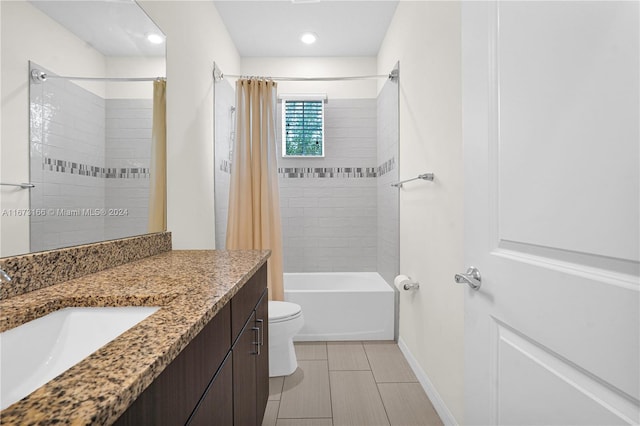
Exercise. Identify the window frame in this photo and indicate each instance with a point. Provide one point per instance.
(301, 97)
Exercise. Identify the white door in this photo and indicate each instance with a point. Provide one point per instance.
(551, 156)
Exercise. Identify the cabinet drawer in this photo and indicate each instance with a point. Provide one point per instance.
(245, 301)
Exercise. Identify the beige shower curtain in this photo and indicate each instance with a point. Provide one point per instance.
(158, 178)
(254, 202)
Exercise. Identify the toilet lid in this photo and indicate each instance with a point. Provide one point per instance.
(279, 311)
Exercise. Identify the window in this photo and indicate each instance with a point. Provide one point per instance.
(303, 126)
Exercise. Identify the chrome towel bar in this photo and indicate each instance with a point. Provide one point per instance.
(21, 185)
(424, 176)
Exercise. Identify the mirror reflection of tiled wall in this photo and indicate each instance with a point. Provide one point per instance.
(89, 163)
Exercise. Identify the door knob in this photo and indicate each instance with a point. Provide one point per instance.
(472, 278)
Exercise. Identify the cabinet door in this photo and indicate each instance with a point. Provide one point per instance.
(244, 374)
(245, 300)
(262, 360)
(216, 406)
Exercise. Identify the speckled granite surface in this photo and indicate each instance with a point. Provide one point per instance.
(190, 286)
(33, 271)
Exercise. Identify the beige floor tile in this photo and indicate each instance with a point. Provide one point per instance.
(304, 422)
(408, 405)
(355, 399)
(271, 413)
(388, 363)
(275, 388)
(347, 356)
(306, 392)
(310, 350)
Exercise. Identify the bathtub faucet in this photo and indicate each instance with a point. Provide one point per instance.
(4, 276)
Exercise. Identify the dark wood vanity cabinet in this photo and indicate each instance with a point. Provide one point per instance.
(262, 359)
(250, 353)
(244, 376)
(251, 366)
(222, 376)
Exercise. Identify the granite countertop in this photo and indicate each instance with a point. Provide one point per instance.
(189, 286)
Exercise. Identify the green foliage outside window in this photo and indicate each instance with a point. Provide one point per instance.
(303, 128)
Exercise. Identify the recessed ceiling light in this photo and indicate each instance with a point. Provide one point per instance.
(308, 38)
(155, 38)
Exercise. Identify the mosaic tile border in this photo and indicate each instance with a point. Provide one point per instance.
(328, 172)
(387, 166)
(225, 166)
(33, 271)
(75, 168)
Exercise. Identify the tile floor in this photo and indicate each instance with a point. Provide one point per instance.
(349, 383)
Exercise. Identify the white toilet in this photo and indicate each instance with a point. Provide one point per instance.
(285, 321)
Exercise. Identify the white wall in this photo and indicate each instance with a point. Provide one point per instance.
(425, 38)
(196, 37)
(0, 131)
(317, 67)
(126, 66)
(28, 34)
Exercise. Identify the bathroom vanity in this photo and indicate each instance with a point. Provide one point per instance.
(202, 358)
(222, 376)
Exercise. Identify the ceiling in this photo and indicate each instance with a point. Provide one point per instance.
(113, 27)
(269, 28)
(273, 28)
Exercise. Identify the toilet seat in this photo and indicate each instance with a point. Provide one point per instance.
(283, 311)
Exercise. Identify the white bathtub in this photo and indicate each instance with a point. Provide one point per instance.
(342, 305)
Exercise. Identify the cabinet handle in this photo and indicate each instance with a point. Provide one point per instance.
(261, 324)
(257, 342)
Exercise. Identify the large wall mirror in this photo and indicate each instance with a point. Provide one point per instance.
(92, 66)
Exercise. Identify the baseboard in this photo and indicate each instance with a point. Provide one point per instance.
(441, 408)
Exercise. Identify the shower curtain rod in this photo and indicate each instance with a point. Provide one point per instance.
(361, 77)
(40, 77)
(219, 75)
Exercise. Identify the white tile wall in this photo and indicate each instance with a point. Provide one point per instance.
(350, 136)
(224, 128)
(388, 222)
(331, 224)
(128, 132)
(73, 125)
(67, 123)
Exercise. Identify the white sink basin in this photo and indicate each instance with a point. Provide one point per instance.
(36, 352)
